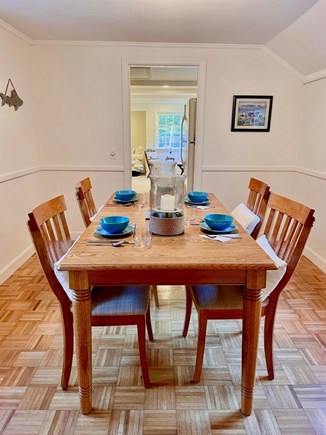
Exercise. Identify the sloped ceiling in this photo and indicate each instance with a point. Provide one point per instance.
(293, 29)
(303, 43)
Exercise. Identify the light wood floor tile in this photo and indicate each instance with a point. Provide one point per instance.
(190, 397)
(160, 423)
(59, 422)
(193, 422)
(221, 397)
(32, 402)
(26, 422)
(227, 422)
(317, 418)
(293, 421)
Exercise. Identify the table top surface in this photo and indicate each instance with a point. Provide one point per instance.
(186, 251)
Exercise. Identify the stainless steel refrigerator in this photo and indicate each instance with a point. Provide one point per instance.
(188, 141)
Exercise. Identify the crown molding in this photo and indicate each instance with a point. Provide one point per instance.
(281, 61)
(16, 32)
(204, 45)
(319, 75)
(306, 79)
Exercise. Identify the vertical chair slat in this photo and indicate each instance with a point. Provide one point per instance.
(282, 238)
(269, 221)
(297, 229)
(275, 230)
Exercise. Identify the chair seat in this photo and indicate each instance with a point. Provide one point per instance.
(221, 297)
(120, 300)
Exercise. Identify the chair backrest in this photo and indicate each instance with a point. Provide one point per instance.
(50, 234)
(287, 227)
(257, 201)
(85, 200)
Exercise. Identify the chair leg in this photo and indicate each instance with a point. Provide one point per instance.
(149, 324)
(188, 311)
(200, 346)
(155, 294)
(68, 348)
(142, 352)
(268, 337)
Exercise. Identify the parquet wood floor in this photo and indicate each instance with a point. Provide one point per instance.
(31, 402)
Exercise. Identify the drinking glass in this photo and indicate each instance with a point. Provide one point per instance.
(142, 200)
(142, 236)
(191, 215)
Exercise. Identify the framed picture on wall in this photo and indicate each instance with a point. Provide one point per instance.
(251, 112)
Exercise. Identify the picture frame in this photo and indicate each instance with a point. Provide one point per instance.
(251, 113)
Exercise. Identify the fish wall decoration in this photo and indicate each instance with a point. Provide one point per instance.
(12, 100)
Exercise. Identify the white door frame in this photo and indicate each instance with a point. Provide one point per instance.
(199, 62)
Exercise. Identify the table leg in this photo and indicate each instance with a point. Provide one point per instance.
(250, 338)
(78, 282)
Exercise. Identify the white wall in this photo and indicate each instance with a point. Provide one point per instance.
(310, 184)
(79, 106)
(19, 183)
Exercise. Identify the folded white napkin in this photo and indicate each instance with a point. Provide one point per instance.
(273, 277)
(95, 215)
(63, 275)
(246, 218)
(204, 207)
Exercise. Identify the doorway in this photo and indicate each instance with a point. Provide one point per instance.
(158, 95)
(154, 97)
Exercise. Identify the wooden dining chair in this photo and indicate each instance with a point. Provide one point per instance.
(285, 233)
(257, 201)
(83, 191)
(114, 305)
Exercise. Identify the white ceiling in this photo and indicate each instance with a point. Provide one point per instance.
(293, 29)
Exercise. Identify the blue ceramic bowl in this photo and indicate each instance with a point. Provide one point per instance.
(114, 224)
(125, 195)
(218, 221)
(198, 196)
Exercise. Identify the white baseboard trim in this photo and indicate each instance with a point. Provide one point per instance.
(18, 261)
(317, 259)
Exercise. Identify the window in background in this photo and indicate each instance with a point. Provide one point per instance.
(168, 130)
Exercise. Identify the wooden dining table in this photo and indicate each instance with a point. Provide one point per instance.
(171, 260)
